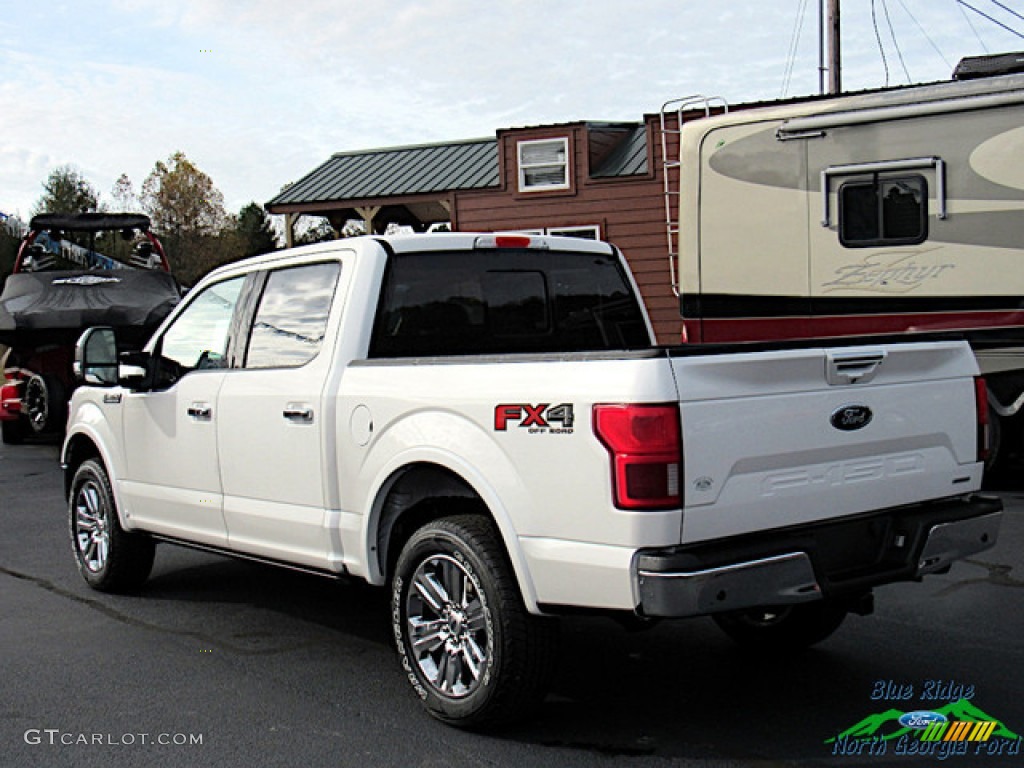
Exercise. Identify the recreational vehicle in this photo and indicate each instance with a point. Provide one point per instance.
(870, 214)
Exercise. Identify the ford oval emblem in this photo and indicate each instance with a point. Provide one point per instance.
(921, 719)
(851, 417)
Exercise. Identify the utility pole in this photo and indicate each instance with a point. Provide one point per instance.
(822, 63)
(835, 75)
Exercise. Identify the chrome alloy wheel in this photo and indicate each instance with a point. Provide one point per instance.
(447, 626)
(37, 403)
(92, 527)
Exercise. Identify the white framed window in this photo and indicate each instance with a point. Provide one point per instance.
(588, 232)
(543, 164)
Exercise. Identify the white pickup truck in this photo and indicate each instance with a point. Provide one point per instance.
(482, 423)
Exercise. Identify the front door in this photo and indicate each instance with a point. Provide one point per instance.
(171, 483)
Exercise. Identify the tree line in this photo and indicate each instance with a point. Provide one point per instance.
(184, 205)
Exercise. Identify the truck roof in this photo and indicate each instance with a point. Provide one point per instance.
(437, 241)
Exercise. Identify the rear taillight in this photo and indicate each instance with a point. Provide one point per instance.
(10, 397)
(981, 409)
(646, 451)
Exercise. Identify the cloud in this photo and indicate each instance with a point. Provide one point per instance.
(257, 94)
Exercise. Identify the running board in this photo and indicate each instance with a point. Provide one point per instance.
(232, 553)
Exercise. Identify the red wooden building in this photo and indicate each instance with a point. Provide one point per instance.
(599, 180)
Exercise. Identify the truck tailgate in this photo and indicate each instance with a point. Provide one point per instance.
(766, 433)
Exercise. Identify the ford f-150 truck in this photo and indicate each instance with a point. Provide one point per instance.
(482, 423)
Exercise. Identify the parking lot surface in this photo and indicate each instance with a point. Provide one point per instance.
(220, 662)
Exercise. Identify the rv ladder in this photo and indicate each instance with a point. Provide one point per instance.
(671, 114)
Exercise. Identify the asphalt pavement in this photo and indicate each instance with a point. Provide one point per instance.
(225, 663)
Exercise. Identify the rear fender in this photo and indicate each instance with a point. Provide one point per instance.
(497, 487)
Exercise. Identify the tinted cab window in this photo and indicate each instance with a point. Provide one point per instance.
(506, 301)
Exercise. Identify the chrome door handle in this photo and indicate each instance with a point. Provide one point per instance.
(200, 411)
(296, 412)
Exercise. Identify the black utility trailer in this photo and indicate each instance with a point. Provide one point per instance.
(74, 271)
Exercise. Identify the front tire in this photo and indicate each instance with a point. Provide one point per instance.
(782, 628)
(45, 406)
(109, 558)
(470, 649)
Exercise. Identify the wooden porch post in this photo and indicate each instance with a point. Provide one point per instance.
(367, 215)
(289, 229)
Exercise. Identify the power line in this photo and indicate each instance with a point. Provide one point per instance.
(925, 33)
(994, 21)
(1008, 10)
(878, 37)
(970, 24)
(896, 45)
(794, 44)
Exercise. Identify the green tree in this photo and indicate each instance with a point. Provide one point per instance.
(67, 191)
(124, 195)
(181, 199)
(255, 231)
(187, 211)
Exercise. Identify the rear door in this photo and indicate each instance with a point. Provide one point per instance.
(781, 438)
(273, 418)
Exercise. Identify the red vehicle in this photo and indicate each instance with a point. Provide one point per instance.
(74, 271)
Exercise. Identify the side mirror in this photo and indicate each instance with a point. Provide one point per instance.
(98, 364)
(96, 358)
(133, 371)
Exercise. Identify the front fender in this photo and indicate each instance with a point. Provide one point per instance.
(91, 422)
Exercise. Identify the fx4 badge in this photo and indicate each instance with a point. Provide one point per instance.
(537, 419)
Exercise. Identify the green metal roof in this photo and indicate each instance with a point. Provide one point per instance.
(430, 168)
(628, 159)
(395, 171)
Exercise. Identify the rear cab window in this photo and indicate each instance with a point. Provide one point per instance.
(291, 319)
(506, 301)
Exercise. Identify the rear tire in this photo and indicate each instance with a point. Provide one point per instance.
(468, 646)
(109, 558)
(782, 628)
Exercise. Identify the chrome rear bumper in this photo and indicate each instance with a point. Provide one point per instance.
(809, 563)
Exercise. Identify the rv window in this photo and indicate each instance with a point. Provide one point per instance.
(883, 211)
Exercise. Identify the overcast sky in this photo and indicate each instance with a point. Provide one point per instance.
(258, 93)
